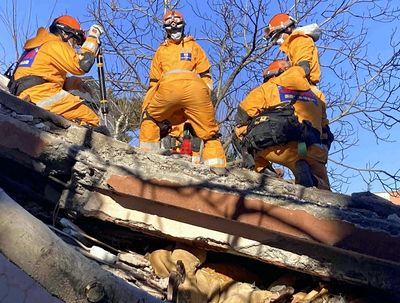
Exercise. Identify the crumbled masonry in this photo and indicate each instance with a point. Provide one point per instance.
(161, 200)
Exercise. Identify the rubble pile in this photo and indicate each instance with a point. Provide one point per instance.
(176, 231)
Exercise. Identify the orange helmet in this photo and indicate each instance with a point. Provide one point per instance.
(69, 26)
(276, 68)
(173, 19)
(278, 24)
(69, 21)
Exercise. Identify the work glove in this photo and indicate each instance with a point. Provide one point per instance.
(96, 31)
(93, 40)
(165, 127)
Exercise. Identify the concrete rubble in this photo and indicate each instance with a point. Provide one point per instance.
(84, 175)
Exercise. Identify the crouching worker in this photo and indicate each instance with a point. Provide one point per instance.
(41, 72)
(282, 121)
(180, 87)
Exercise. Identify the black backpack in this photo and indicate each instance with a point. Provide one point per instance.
(274, 126)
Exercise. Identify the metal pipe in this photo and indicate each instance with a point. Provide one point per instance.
(103, 93)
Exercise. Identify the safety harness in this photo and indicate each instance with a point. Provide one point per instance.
(16, 87)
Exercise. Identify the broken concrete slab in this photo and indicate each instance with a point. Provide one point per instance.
(305, 229)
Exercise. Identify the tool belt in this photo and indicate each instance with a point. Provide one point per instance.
(278, 126)
(16, 87)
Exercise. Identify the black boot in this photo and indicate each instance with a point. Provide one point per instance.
(303, 174)
(102, 129)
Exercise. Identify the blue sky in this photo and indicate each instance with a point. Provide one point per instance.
(41, 15)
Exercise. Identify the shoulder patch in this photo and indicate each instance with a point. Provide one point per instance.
(28, 57)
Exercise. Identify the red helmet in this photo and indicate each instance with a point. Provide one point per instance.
(276, 68)
(173, 19)
(70, 26)
(278, 24)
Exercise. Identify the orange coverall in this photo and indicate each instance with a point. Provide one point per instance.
(177, 94)
(51, 58)
(301, 47)
(311, 109)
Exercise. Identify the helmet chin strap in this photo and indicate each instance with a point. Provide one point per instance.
(71, 42)
(281, 39)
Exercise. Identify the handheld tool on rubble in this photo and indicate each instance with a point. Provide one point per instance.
(186, 146)
(102, 83)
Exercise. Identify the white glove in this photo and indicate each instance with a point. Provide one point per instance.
(95, 31)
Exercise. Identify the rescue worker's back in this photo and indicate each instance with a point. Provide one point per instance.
(180, 87)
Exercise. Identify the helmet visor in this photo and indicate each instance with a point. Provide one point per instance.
(172, 19)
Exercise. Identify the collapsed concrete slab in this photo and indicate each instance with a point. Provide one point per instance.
(258, 216)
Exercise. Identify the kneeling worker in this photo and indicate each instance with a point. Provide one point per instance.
(282, 121)
(41, 73)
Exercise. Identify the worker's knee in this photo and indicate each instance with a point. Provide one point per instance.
(81, 113)
(92, 118)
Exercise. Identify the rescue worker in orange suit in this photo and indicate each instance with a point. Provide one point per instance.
(41, 73)
(283, 87)
(180, 88)
(298, 43)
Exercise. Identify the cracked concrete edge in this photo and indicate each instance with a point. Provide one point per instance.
(353, 267)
